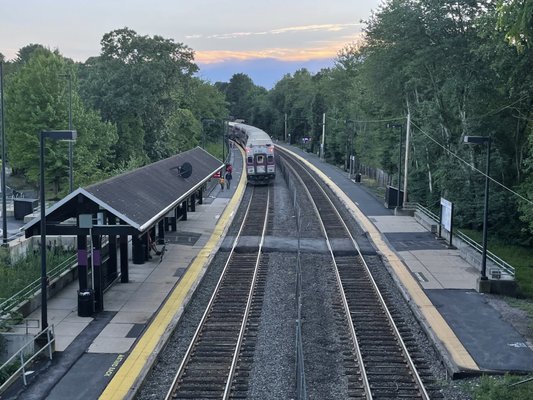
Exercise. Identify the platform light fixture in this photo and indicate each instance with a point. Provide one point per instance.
(483, 140)
(68, 135)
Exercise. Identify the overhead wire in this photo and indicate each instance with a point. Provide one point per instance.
(470, 165)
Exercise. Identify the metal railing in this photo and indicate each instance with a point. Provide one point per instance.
(26, 356)
(502, 265)
(32, 288)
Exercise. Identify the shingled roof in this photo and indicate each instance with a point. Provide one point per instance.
(145, 195)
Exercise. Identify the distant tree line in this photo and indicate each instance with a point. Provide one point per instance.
(458, 68)
(135, 103)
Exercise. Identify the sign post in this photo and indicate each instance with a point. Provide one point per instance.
(446, 217)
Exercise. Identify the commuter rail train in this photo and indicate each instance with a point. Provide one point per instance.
(259, 164)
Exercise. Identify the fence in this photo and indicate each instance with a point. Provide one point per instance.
(25, 356)
(463, 241)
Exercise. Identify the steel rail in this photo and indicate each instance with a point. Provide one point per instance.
(351, 324)
(248, 305)
(189, 352)
(405, 351)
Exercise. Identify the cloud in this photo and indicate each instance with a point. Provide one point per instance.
(321, 50)
(291, 29)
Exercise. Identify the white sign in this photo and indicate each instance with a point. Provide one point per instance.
(446, 214)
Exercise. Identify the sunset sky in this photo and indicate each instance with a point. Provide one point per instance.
(260, 38)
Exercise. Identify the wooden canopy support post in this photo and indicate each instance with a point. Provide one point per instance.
(112, 264)
(124, 273)
(97, 272)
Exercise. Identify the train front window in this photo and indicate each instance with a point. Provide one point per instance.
(270, 159)
(260, 159)
(250, 160)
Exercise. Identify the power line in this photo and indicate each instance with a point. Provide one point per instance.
(470, 165)
(367, 121)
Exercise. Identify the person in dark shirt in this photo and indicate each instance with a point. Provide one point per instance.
(228, 178)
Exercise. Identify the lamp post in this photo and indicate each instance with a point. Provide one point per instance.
(394, 126)
(352, 150)
(55, 135)
(3, 132)
(483, 140)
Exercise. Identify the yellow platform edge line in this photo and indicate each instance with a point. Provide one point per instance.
(125, 381)
(434, 319)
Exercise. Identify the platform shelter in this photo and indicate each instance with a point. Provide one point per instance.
(141, 204)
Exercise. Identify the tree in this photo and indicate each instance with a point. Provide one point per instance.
(239, 95)
(515, 17)
(36, 100)
(182, 131)
(138, 82)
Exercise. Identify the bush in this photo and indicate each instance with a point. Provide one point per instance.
(15, 277)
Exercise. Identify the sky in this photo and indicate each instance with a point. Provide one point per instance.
(263, 39)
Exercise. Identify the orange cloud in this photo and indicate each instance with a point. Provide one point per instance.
(324, 50)
(290, 29)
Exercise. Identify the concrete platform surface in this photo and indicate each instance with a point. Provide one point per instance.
(104, 356)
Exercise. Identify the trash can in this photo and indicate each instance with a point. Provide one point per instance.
(23, 207)
(358, 177)
(85, 303)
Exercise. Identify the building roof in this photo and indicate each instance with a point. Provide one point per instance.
(140, 197)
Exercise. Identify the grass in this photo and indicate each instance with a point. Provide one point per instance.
(499, 387)
(520, 257)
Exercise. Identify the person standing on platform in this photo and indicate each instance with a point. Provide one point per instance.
(228, 178)
(221, 182)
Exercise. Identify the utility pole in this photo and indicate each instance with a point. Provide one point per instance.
(407, 135)
(3, 133)
(323, 136)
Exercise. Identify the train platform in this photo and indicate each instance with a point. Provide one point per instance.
(104, 356)
(438, 281)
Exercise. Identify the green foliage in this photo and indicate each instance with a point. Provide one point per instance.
(498, 388)
(516, 18)
(181, 132)
(16, 276)
(460, 78)
(138, 83)
(34, 103)
(8, 371)
(520, 257)
(239, 94)
(37, 99)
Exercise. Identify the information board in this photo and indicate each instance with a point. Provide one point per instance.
(446, 213)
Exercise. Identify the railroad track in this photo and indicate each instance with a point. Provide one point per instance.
(227, 331)
(382, 346)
